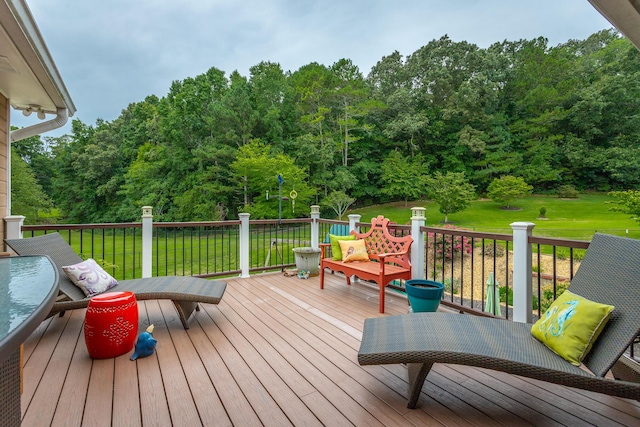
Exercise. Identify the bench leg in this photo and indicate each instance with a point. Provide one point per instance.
(381, 298)
(417, 374)
(184, 309)
(321, 277)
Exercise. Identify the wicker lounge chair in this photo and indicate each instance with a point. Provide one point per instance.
(609, 274)
(185, 291)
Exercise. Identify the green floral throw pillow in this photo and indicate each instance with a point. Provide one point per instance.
(571, 325)
(336, 253)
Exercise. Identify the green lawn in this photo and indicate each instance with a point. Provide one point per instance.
(566, 218)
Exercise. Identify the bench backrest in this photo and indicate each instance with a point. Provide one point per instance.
(378, 241)
(337, 230)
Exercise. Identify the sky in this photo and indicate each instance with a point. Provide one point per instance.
(115, 52)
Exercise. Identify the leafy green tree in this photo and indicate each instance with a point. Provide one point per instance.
(27, 197)
(627, 202)
(35, 151)
(351, 105)
(256, 171)
(402, 176)
(506, 189)
(339, 202)
(451, 191)
(553, 115)
(404, 122)
(315, 148)
(273, 100)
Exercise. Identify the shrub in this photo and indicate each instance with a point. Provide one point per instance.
(503, 294)
(489, 250)
(452, 286)
(564, 254)
(567, 192)
(505, 190)
(543, 212)
(446, 246)
(547, 295)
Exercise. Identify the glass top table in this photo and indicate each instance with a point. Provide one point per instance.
(28, 289)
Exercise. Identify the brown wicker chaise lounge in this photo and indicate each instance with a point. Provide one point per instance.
(609, 274)
(184, 291)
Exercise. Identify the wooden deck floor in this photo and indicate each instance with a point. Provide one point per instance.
(279, 351)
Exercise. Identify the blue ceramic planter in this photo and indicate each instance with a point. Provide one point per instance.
(424, 295)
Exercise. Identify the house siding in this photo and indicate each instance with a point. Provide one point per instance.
(4, 138)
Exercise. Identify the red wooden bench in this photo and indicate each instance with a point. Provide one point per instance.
(389, 258)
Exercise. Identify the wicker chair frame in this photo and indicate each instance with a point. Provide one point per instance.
(609, 274)
(184, 291)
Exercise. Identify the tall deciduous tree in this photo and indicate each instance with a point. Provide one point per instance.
(626, 201)
(403, 177)
(257, 171)
(451, 191)
(339, 202)
(27, 197)
(552, 115)
(351, 105)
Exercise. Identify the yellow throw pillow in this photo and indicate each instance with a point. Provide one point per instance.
(571, 325)
(336, 253)
(354, 250)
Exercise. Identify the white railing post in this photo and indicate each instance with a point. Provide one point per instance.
(315, 232)
(353, 219)
(14, 226)
(244, 245)
(418, 218)
(522, 286)
(147, 241)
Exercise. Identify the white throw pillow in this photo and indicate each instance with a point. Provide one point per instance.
(90, 277)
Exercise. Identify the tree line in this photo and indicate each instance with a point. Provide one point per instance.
(215, 145)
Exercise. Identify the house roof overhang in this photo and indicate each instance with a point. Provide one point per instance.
(623, 14)
(28, 75)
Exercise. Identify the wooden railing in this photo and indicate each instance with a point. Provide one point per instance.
(463, 260)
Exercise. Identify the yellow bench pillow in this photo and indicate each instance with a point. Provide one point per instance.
(571, 325)
(355, 250)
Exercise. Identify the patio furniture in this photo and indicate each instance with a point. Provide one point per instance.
(389, 258)
(111, 324)
(337, 230)
(184, 291)
(28, 288)
(608, 274)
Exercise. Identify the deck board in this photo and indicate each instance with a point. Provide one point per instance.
(279, 351)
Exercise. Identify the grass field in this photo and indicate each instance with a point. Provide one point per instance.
(189, 250)
(565, 218)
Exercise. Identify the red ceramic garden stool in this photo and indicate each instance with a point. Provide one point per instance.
(111, 324)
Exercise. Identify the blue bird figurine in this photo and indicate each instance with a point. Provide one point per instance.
(145, 345)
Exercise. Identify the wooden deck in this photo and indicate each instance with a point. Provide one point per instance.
(279, 351)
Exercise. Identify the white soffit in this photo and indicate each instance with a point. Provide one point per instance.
(623, 14)
(28, 75)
